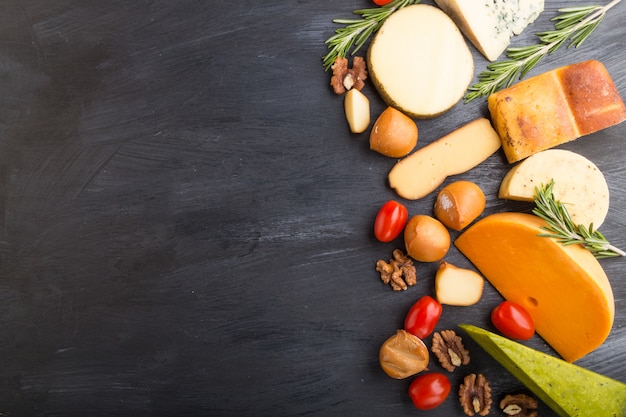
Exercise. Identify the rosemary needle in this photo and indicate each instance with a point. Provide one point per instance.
(574, 23)
(355, 32)
(561, 227)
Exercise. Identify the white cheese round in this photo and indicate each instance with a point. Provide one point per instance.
(419, 61)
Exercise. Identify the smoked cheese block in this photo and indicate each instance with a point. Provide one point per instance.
(555, 107)
(563, 287)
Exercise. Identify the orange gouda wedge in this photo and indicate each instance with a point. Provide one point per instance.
(564, 288)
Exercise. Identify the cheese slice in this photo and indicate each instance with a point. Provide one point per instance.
(564, 288)
(424, 170)
(578, 184)
(490, 24)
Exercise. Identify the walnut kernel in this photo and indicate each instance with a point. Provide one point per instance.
(475, 395)
(344, 78)
(519, 405)
(399, 272)
(449, 350)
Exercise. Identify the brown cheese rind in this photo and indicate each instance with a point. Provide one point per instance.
(555, 107)
(592, 96)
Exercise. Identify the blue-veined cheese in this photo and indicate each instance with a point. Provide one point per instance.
(490, 24)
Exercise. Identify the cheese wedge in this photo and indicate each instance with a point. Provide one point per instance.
(555, 107)
(567, 389)
(578, 184)
(459, 151)
(490, 25)
(564, 288)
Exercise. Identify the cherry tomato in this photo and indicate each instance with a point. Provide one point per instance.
(513, 321)
(382, 2)
(429, 390)
(423, 317)
(390, 221)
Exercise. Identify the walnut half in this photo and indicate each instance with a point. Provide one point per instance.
(519, 405)
(475, 395)
(399, 272)
(344, 78)
(449, 350)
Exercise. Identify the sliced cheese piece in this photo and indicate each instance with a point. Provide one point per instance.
(489, 25)
(578, 184)
(555, 107)
(424, 170)
(419, 61)
(564, 288)
(567, 389)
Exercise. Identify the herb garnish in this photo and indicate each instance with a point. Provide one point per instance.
(561, 227)
(357, 31)
(575, 23)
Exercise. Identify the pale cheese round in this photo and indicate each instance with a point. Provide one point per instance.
(578, 184)
(420, 62)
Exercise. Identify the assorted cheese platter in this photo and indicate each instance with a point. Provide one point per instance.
(545, 261)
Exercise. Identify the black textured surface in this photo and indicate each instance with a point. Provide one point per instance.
(186, 220)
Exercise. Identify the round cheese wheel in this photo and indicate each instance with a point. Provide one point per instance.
(419, 61)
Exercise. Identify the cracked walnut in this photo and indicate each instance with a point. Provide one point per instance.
(475, 395)
(344, 78)
(449, 350)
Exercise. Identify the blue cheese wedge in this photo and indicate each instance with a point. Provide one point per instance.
(490, 24)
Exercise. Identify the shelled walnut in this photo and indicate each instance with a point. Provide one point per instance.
(449, 350)
(399, 272)
(475, 395)
(519, 405)
(345, 78)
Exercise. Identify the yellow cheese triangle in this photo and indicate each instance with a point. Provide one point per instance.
(564, 288)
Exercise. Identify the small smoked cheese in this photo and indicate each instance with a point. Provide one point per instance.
(555, 107)
(564, 288)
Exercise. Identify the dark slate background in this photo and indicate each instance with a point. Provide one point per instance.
(186, 221)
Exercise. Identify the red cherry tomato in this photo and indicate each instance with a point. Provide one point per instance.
(513, 321)
(390, 221)
(423, 317)
(382, 2)
(429, 390)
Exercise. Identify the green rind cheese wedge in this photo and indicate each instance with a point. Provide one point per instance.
(568, 389)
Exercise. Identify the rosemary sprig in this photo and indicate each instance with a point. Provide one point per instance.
(574, 23)
(561, 227)
(357, 31)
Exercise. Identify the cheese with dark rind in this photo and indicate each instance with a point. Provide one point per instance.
(569, 390)
(563, 287)
(555, 107)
